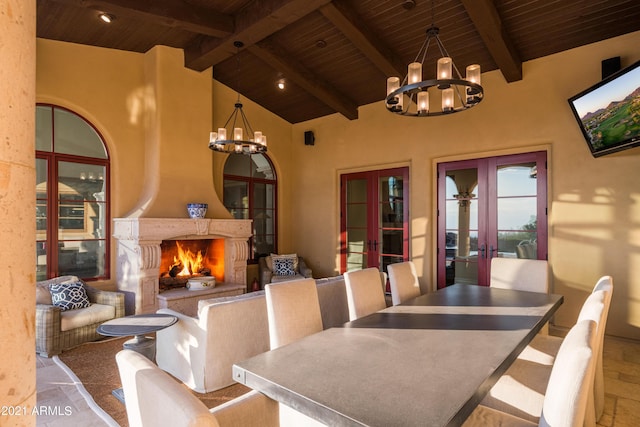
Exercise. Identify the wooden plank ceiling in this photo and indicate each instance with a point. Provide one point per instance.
(335, 55)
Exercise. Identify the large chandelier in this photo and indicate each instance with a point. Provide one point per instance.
(237, 135)
(419, 98)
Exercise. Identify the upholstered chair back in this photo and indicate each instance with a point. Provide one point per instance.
(571, 380)
(521, 274)
(293, 310)
(604, 284)
(154, 398)
(364, 293)
(404, 281)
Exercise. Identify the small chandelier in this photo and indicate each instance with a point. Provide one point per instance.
(239, 136)
(455, 93)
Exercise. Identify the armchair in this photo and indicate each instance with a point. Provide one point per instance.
(58, 329)
(276, 268)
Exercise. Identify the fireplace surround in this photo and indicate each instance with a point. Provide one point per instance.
(138, 256)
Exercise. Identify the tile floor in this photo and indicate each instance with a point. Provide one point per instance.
(60, 393)
(56, 389)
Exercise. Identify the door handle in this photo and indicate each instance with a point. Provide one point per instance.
(375, 245)
(482, 251)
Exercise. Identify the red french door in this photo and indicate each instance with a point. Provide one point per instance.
(374, 212)
(490, 207)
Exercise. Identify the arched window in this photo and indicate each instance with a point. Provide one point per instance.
(250, 193)
(72, 196)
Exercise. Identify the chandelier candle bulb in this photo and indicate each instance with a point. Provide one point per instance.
(444, 68)
(222, 134)
(238, 148)
(237, 134)
(257, 137)
(447, 100)
(473, 73)
(213, 136)
(264, 140)
(393, 83)
(423, 102)
(414, 72)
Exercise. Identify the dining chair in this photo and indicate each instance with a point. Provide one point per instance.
(404, 281)
(364, 294)
(543, 349)
(293, 311)
(520, 391)
(520, 274)
(153, 398)
(568, 390)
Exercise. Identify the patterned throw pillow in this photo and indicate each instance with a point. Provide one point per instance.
(271, 257)
(283, 267)
(69, 296)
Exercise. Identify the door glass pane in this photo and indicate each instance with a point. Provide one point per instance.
(518, 244)
(517, 213)
(357, 191)
(357, 216)
(461, 223)
(357, 223)
(261, 167)
(44, 133)
(41, 199)
(236, 198)
(41, 219)
(83, 258)
(392, 243)
(517, 180)
(517, 208)
(81, 194)
(356, 249)
(238, 164)
(263, 218)
(75, 136)
(81, 219)
(391, 201)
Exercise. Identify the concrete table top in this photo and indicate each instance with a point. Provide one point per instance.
(428, 362)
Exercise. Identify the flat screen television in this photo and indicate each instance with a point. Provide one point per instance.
(609, 112)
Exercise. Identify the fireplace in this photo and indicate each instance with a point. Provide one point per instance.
(140, 262)
(181, 260)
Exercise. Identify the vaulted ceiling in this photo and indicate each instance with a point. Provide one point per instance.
(335, 55)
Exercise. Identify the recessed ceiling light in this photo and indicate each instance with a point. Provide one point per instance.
(281, 84)
(106, 17)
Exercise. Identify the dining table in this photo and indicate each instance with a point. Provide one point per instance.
(426, 362)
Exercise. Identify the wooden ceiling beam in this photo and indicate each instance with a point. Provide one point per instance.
(352, 26)
(164, 12)
(256, 22)
(485, 17)
(305, 78)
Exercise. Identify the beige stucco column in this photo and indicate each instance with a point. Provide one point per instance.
(17, 206)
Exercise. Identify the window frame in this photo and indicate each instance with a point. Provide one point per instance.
(251, 182)
(52, 237)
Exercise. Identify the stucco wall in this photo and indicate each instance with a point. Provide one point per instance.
(593, 213)
(593, 203)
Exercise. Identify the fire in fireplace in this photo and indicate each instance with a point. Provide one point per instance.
(184, 259)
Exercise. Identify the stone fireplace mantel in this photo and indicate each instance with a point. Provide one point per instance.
(138, 253)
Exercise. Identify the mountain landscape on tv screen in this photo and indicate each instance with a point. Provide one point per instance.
(619, 121)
